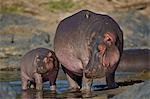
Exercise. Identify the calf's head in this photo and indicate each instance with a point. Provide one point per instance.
(43, 63)
(104, 55)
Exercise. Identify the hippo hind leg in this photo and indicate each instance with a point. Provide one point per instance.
(75, 81)
(110, 81)
(38, 81)
(110, 78)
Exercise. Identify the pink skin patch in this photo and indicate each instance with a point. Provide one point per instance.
(108, 51)
(109, 38)
(102, 48)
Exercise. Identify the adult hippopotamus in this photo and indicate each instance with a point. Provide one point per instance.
(37, 66)
(88, 45)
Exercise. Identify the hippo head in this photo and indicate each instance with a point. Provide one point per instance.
(104, 55)
(43, 63)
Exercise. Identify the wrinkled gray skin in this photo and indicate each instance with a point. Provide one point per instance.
(88, 45)
(37, 66)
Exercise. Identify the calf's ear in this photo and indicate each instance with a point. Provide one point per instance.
(36, 58)
(48, 58)
(49, 54)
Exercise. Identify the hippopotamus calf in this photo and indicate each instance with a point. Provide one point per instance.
(37, 66)
(88, 45)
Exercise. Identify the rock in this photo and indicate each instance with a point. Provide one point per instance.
(136, 28)
(41, 38)
(137, 91)
(7, 19)
(18, 34)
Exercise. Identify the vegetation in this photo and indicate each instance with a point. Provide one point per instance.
(61, 5)
(10, 8)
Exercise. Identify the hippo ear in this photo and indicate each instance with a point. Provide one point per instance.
(49, 54)
(110, 56)
(36, 58)
(109, 38)
(48, 58)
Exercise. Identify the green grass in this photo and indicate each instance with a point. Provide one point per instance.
(10, 9)
(61, 5)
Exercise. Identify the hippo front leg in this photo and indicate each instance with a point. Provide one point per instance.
(86, 83)
(52, 79)
(38, 81)
(24, 84)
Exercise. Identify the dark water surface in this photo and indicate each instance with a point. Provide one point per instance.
(12, 79)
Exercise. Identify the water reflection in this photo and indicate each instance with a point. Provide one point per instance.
(12, 79)
(33, 94)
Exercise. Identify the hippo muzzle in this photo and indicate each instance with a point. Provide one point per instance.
(40, 65)
(42, 70)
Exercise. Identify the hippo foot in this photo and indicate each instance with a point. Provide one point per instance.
(85, 90)
(39, 86)
(53, 87)
(113, 86)
(32, 86)
(73, 89)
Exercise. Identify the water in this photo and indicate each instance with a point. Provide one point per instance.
(12, 79)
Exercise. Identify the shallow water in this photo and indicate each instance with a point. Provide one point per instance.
(12, 79)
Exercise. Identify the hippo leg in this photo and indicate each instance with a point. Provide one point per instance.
(110, 78)
(38, 81)
(86, 84)
(24, 84)
(75, 81)
(73, 86)
(52, 79)
(24, 79)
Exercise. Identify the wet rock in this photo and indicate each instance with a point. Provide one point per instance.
(6, 92)
(18, 34)
(16, 19)
(41, 38)
(137, 91)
